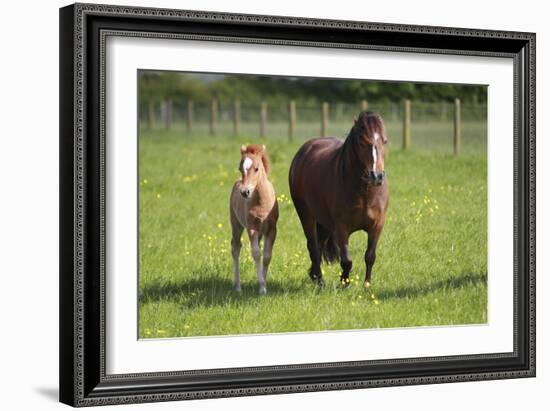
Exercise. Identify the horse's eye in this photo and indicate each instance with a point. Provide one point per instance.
(256, 169)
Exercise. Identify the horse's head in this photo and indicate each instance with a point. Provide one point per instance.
(370, 137)
(254, 167)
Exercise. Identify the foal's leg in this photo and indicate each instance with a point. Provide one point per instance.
(256, 255)
(268, 249)
(236, 232)
(342, 240)
(370, 253)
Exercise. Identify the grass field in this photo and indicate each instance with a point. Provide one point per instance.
(431, 266)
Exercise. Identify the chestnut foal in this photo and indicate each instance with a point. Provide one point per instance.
(253, 205)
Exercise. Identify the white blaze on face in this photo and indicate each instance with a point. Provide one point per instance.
(247, 163)
(375, 152)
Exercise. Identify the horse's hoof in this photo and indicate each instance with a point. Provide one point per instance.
(237, 289)
(320, 282)
(262, 291)
(345, 283)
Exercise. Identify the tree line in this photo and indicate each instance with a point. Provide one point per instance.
(155, 87)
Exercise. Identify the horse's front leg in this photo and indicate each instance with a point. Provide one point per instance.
(268, 250)
(370, 253)
(256, 255)
(342, 240)
(315, 256)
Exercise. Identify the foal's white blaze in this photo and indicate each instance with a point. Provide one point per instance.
(247, 163)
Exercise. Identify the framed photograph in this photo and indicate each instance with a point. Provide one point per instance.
(261, 204)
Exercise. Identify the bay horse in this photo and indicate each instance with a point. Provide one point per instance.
(339, 187)
(253, 205)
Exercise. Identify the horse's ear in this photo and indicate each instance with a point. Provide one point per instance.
(355, 120)
(243, 149)
(263, 147)
(265, 161)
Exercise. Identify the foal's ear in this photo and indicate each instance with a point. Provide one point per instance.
(263, 147)
(265, 161)
(243, 149)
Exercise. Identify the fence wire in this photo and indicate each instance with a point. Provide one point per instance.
(432, 123)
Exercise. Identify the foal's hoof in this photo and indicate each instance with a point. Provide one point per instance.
(237, 289)
(262, 291)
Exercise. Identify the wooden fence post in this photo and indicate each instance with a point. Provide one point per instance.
(291, 119)
(162, 111)
(263, 118)
(150, 114)
(168, 114)
(213, 116)
(457, 128)
(364, 105)
(406, 124)
(324, 119)
(236, 118)
(189, 117)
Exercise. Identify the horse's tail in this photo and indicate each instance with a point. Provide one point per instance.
(329, 250)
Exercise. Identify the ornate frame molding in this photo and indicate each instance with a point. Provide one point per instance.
(82, 368)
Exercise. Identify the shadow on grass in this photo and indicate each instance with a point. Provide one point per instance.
(210, 291)
(451, 283)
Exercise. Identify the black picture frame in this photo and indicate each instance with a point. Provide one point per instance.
(83, 29)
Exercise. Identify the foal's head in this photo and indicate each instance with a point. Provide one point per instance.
(254, 167)
(369, 134)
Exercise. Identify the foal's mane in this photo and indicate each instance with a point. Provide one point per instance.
(259, 149)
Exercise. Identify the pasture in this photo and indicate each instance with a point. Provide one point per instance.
(431, 266)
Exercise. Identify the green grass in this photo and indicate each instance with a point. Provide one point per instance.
(431, 266)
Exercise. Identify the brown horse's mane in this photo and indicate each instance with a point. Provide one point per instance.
(366, 125)
(259, 149)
